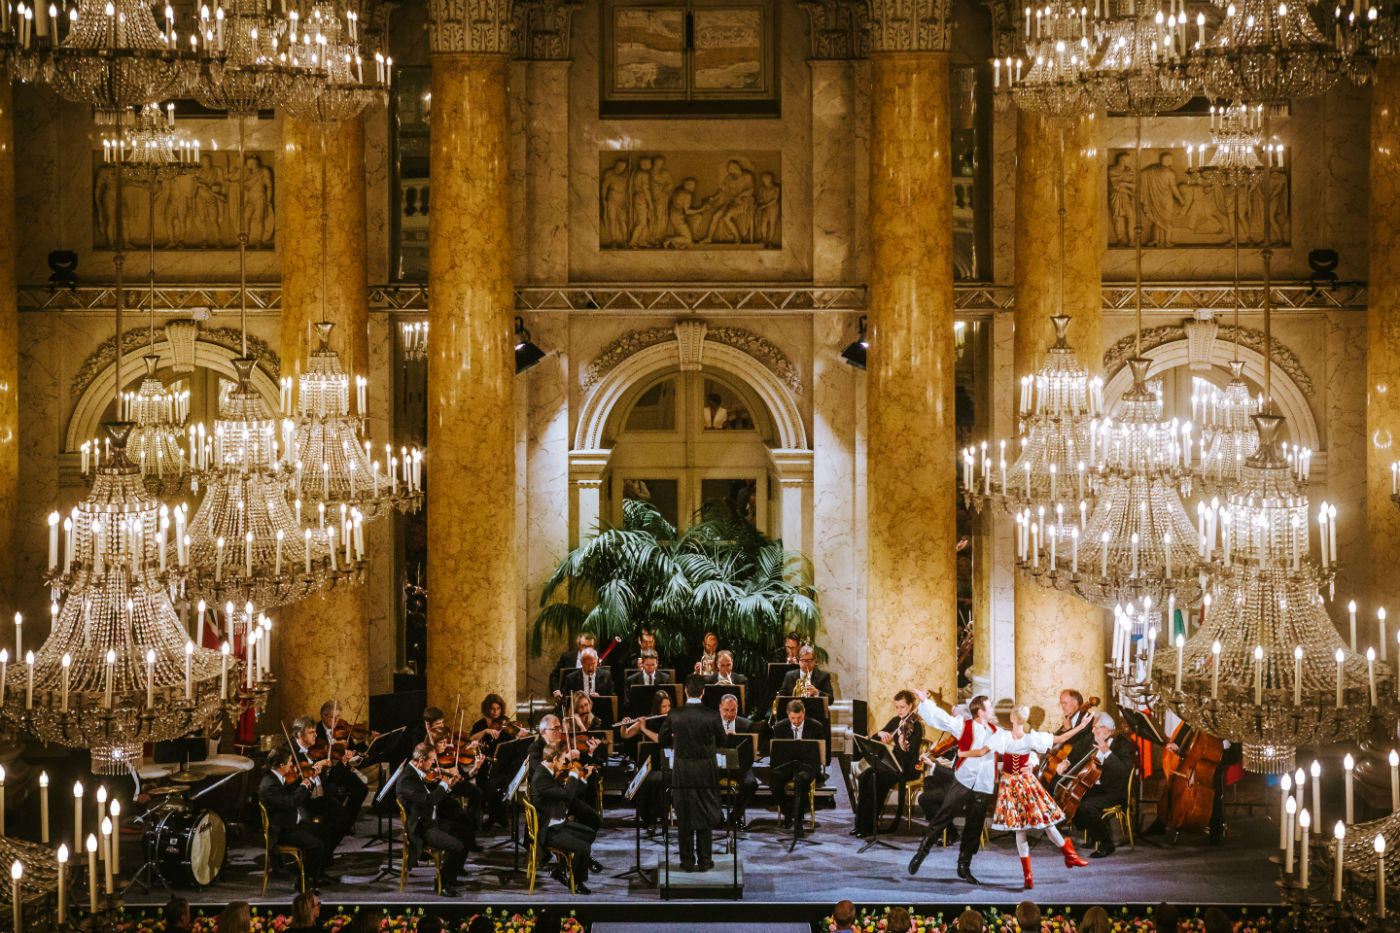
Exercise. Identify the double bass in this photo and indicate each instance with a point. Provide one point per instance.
(1188, 794)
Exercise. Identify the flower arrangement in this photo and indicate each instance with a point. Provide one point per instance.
(1248, 920)
(265, 921)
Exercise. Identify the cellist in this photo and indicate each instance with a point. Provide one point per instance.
(1115, 757)
(1226, 771)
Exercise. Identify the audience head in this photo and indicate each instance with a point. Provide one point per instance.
(1216, 921)
(844, 915)
(366, 921)
(479, 924)
(1095, 921)
(695, 686)
(897, 921)
(1028, 917)
(237, 917)
(661, 703)
(493, 707)
(433, 924)
(970, 921)
(1166, 918)
(176, 913)
(306, 909)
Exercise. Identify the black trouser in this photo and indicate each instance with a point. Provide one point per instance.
(872, 788)
(470, 798)
(577, 840)
(335, 820)
(583, 812)
(746, 788)
(345, 785)
(959, 798)
(313, 850)
(802, 778)
(447, 837)
(697, 846)
(651, 798)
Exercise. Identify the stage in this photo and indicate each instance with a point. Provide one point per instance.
(824, 868)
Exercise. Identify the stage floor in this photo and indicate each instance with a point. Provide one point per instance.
(823, 869)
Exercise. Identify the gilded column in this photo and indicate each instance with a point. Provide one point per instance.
(324, 650)
(911, 609)
(1383, 337)
(1059, 639)
(9, 347)
(473, 612)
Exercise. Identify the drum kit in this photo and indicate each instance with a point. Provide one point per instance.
(185, 843)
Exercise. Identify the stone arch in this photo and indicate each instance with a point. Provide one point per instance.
(1292, 402)
(85, 419)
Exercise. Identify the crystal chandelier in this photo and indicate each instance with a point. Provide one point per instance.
(117, 670)
(1267, 668)
(327, 82)
(238, 52)
(1265, 52)
(1228, 435)
(1136, 69)
(1365, 34)
(115, 56)
(413, 338)
(1049, 77)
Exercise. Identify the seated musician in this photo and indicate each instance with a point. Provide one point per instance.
(648, 673)
(580, 714)
(708, 651)
(552, 733)
(430, 820)
(284, 794)
(417, 732)
(939, 765)
(1116, 758)
(651, 797)
(806, 681)
(465, 764)
(905, 732)
(554, 792)
(801, 774)
(660, 706)
(1226, 772)
(590, 678)
(336, 818)
(734, 724)
(792, 644)
(347, 784)
(568, 661)
(724, 671)
(488, 732)
(1076, 726)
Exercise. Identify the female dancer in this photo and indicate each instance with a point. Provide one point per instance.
(1022, 803)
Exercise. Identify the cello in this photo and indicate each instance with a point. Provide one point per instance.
(1049, 768)
(1188, 794)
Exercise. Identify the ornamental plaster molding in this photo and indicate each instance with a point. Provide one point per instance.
(541, 29)
(634, 341)
(910, 25)
(1116, 356)
(839, 28)
(135, 341)
(761, 349)
(482, 26)
(685, 334)
(690, 338)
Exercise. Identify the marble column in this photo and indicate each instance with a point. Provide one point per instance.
(911, 617)
(1059, 639)
(9, 348)
(1383, 337)
(473, 616)
(324, 649)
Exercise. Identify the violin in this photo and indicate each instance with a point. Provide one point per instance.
(350, 732)
(1049, 768)
(930, 757)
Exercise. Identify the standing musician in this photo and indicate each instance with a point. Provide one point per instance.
(347, 783)
(724, 671)
(709, 648)
(905, 732)
(554, 792)
(971, 791)
(795, 726)
(695, 731)
(590, 678)
(285, 795)
(647, 673)
(1231, 757)
(747, 783)
(807, 681)
(336, 818)
(423, 791)
(1115, 757)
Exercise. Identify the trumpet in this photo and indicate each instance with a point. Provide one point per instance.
(800, 687)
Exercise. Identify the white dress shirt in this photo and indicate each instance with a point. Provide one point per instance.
(978, 774)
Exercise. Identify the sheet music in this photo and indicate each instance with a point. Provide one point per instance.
(519, 776)
(637, 780)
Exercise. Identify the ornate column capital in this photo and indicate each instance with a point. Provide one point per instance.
(470, 26)
(542, 29)
(910, 25)
(838, 28)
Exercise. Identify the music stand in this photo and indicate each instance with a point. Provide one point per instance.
(380, 752)
(639, 697)
(879, 757)
(632, 789)
(385, 786)
(605, 707)
(716, 692)
(784, 755)
(510, 753)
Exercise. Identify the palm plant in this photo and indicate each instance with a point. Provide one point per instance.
(722, 575)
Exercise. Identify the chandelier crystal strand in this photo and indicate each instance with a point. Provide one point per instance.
(1136, 67)
(327, 81)
(1266, 52)
(238, 51)
(1049, 76)
(114, 56)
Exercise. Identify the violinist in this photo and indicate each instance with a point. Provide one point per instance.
(490, 731)
(904, 732)
(339, 736)
(417, 733)
(581, 718)
(460, 763)
(555, 792)
(493, 723)
(423, 790)
(335, 818)
(552, 733)
(1115, 757)
(285, 796)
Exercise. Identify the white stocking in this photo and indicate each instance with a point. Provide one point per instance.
(1055, 837)
(1023, 848)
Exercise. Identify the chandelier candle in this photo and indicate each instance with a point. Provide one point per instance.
(1316, 771)
(107, 860)
(77, 815)
(1180, 650)
(16, 873)
(1259, 676)
(1380, 876)
(223, 671)
(1394, 781)
(62, 881)
(101, 819)
(44, 809)
(1305, 822)
(92, 873)
(116, 837)
(1339, 831)
(1297, 675)
(1215, 670)
(1351, 617)
(1371, 673)
(1349, 767)
(1380, 621)
(1291, 806)
(1285, 787)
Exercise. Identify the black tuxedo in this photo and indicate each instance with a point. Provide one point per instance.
(602, 682)
(875, 785)
(430, 821)
(342, 781)
(1083, 740)
(580, 806)
(1111, 790)
(334, 816)
(802, 775)
(568, 661)
(694, 731)
(290, 825)
(820, 679)
(735, 677)
(747, 783)
(553, 801)
(634, 678)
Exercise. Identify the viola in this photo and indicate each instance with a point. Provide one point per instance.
(350, 732)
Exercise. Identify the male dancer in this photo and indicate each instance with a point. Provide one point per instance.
(971, 793)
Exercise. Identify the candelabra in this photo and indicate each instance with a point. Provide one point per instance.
(413, 339)
(1136, 69)
(1267, 52)
(1266, 668)
(1049, 77)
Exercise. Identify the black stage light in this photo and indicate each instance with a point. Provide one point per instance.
(526, 353)
(854, 355)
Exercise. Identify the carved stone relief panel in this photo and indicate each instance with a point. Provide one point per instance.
(196, 209)
(690, 199)
(1183, 206)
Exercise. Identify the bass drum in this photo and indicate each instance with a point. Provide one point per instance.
(188, 847)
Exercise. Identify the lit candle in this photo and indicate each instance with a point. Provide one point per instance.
(1297, 675)
(53, 541)
(16, 873)
(1305, 822)
(1316, 771)
(66, 662)
(1380, 876)
(1291, 806)
(1394, 781)
(1215, 670)
(1371, 673)
(1349, 766)
(29, 684)
(223, 670)
(107, 850)
(101, 815)
(1180, 650)
(1285, 786)
(189, 680)
(1340, 657)
(1258, 675)
(19, 636)
(62, 884)
(307, 551)
(77, 815)
(1351, 616)
(248, 554)
(92, 873)
(277, 567)
(116, 837)
(1340, 832)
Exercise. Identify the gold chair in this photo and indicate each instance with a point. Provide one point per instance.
(791, 788)
(532, 829)
(1125, 811)
(291, 852)
(429, 852)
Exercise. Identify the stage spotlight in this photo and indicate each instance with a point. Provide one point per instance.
(526, 353)
(854, 355)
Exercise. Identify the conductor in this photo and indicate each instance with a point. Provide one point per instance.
(694, 731)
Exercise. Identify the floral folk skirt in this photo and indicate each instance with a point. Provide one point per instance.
(1023, 803)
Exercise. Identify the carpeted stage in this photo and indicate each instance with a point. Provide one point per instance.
(776, 885)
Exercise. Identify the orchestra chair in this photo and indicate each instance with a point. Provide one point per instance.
(281, 851)
(1124, 812)
(429, 852)
(532, 829)
(791, 788)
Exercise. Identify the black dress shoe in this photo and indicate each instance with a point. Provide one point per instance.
(582, 888)
(449, 891)
(920, 854)
(965, 873)
(688, 866)
(559, 876)
(1103, 851)
(704, 866)
(859, 833)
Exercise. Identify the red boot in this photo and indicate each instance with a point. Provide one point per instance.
(1072, 859)
(1026, 870)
